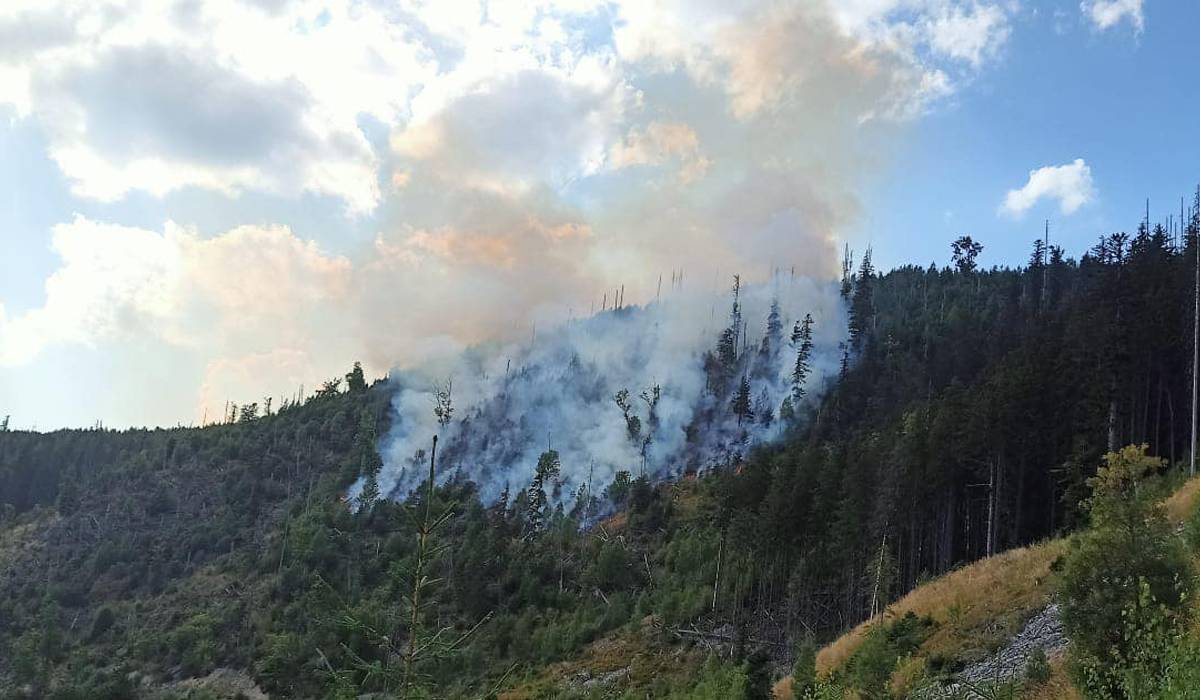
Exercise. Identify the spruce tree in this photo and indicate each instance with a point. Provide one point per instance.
(800, 372)
(355, 381)
(741, 403)
(774, 334)
(862, 305)
(787, 410)
(548, 469)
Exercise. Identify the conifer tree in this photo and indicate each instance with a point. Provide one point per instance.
(787, 410)
(355, 381)
(803, 337)
(548, 469)
(764, 412)
(847, 276)
(741, 403)
(774, 334)
(862, 306)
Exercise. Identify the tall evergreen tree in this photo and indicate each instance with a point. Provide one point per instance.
(355, 380)
(774, 335)
(741, 403)
(537, 509)
(802, 336)
(862, 305)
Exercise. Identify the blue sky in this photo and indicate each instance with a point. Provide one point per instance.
(219, 200)
(1115, 98)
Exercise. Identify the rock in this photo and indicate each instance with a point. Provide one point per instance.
(1044, 631)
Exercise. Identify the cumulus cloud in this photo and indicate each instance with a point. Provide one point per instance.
(244, 294)
(220, 94)
(1106, 14)
(515, 162)
(1070, 184)
(968, 34)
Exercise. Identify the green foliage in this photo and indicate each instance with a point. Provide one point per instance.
(953, 379)
(740, 403)
(355, 381)
(195, 644)
(965, 252)
(1037, 667)
(758, 677)
(716, 681)
(804, 670)
(1191, 530)
(871, 666)
(1125, 584)
(102, 622)
(618, 490)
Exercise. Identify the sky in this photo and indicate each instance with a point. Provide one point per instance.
(205, 201)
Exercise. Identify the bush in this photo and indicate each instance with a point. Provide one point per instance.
(195, 642)
(1124, 584)
(871, 666)
(1037, 667)
(102, 622)
(804, 670)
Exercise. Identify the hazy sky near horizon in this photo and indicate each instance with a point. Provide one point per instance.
(212, 200)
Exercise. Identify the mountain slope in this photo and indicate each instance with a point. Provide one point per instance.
(987, 618)
(972, 407)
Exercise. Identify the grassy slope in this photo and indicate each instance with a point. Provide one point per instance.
(980, 606)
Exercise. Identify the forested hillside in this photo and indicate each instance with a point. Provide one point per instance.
(972, 407)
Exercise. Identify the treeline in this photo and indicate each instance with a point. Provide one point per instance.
(977, 405)
(972, 408)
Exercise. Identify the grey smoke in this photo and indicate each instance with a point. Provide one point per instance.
(555, 389)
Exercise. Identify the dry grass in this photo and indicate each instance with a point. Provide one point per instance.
(1179, 505)
(636, 656)
(1006, 586)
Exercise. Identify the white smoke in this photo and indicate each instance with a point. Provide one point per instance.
(556, 388)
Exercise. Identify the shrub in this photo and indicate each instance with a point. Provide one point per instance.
(1125, 583)
(1037, 667)
(804, 670)
(871, 666)
(102, 622)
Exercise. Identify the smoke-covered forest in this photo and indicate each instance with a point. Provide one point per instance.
(814, 469)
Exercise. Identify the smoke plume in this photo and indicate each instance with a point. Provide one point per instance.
(641, 389)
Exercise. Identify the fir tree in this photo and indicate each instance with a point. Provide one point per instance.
(547, 472)
(774, 332)
(763, 410)
(787, 410)
(862, 306)
(355, 381)
(800, 372)
(740, 404)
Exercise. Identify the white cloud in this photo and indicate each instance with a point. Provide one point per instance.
(1070, 184)
(515, 162)
(217, 94)
(1105, 14)
(248, 291)
(970, 35)
(237, 96)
